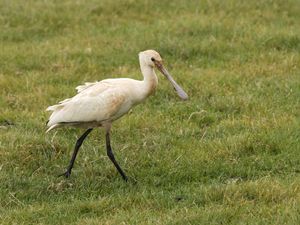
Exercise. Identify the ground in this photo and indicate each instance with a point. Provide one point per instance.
(229, 155)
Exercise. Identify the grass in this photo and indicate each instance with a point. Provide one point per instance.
(230, 155)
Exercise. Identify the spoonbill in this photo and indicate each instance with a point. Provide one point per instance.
(100, 103)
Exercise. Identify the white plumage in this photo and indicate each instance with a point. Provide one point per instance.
(100, 103)
(96, 103)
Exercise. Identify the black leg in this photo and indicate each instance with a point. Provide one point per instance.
(77, 146)
(112, 157)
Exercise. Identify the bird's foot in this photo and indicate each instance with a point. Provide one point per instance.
(125, 178)
(130, 180)
(66, 174)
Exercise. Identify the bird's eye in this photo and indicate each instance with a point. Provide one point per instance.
(152, 59)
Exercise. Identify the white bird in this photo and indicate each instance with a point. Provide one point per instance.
(98, 104)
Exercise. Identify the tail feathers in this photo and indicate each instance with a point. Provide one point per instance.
(52, 127)
(58, 106)
(85, 86)
(65, 101)
(54, 107)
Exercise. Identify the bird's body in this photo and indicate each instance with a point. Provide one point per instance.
(101, 102)
(98, 104)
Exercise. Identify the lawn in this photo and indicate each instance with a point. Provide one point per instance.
(229, 155)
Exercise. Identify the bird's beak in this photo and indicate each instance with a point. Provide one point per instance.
(181, 93)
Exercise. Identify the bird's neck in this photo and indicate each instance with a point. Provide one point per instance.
(150, 79)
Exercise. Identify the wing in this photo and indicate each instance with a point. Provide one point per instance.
(99, 86)
(86, 85)
(95, 88)
(98, 101)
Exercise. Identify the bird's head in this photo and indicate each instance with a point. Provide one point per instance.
(148, 57)
(152, 59)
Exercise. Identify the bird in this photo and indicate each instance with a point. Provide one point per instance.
(99, 104)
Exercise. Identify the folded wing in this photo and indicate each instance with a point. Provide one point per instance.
(97, 102)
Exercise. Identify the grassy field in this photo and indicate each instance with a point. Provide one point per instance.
(229, 155)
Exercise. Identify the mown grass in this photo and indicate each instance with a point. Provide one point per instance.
(230, 155)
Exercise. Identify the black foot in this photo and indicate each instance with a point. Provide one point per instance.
(132, 180)
(125, 178)
(66, 174)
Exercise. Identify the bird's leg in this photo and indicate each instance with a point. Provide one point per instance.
(112, 157)
(76, 149)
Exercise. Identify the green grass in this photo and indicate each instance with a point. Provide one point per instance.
(229, 155)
